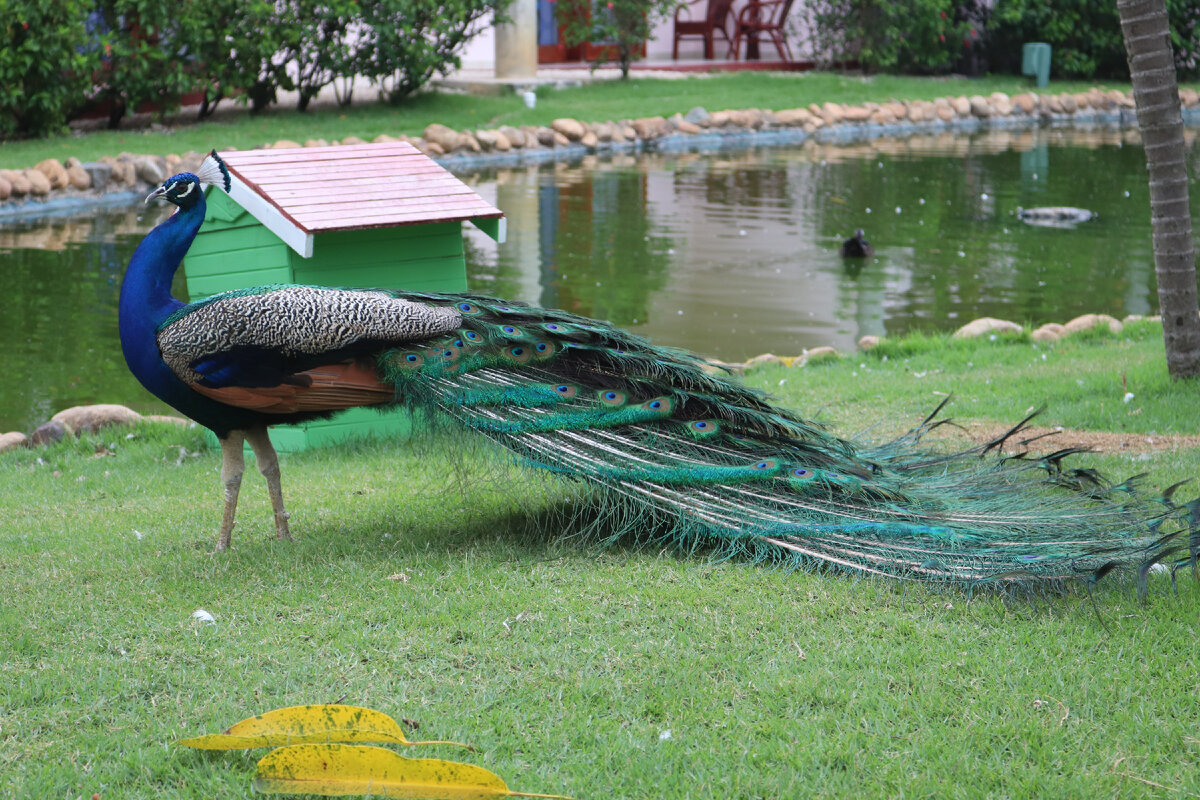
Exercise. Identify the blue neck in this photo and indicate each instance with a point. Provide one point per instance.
(146, 301)
(146, 291)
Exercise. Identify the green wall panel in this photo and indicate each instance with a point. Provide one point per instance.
(233, 250)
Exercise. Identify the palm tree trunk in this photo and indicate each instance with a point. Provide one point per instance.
(1156, 93)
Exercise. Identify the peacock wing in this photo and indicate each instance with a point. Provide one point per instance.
(263, 337)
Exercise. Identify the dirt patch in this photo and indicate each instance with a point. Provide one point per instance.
(1100, 441)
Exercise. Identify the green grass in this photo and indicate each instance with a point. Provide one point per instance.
(1081, 379)
(595, 102)
(565, 664)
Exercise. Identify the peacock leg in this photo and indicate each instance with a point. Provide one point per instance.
(268, 465)
(232, 467)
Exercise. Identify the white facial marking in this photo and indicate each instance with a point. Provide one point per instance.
(187, 191)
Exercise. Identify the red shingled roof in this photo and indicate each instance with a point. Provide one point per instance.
(351, 187)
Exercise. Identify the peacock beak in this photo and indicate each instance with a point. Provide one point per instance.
(159, 192)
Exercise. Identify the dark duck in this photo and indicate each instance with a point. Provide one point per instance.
(697, 458)
(857, 246)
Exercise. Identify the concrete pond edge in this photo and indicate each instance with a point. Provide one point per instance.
(91, 418)
(53, 188)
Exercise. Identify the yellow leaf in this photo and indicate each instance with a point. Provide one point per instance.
(338, 769)
(308, 724)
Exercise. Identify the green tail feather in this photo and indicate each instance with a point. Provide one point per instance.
(652, 426)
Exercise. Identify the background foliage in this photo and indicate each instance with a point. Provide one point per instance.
(620, 26)
(42, 69)
(62, 58)
(910, 36)
(1085, 35)
(972, 36)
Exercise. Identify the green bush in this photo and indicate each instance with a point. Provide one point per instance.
(58, 57)
(43, 65)
(621, 25)
(148, 54)
(239, 53)
(1085, 36)
(320, 47)
(405, 42)
(908, 36)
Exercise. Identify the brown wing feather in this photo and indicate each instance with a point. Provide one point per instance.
(326, 388)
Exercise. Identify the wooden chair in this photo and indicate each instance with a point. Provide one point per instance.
(716, 18)
(762, 16)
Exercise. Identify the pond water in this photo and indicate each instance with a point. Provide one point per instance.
(729, 254)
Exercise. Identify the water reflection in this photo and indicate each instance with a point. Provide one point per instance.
(735, 254)
(729, 254)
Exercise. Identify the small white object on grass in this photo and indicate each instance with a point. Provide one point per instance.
(1128, 396)
(203, 616)
(664, 735)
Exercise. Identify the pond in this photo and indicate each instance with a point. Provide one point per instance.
(727, 253)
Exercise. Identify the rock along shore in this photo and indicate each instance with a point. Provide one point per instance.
(52, 185)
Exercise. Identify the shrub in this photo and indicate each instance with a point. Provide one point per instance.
(622, 25)
(1085, 36)
(238, 52)
(148, 53)
(405, 42)
(44, 74)
(912, 36)
(319, 47)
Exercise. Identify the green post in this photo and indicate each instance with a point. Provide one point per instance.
(1035, 62)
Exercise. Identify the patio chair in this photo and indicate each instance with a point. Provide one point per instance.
(716, 19)
(763, 16)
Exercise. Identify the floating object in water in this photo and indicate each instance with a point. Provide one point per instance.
(1055, 216)
(857, 246)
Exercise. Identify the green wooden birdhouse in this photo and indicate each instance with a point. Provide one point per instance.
(362, 216)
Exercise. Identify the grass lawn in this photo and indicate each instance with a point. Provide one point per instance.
(423, 586)
(604, 100)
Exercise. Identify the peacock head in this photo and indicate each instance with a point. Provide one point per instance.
(186, 188)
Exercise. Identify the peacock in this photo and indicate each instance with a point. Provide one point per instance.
(650, 428)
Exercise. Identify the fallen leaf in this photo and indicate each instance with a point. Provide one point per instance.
(339, 769)
(308, 724)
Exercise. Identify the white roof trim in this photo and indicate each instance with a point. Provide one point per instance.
(271, 217)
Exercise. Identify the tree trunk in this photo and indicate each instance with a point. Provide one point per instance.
(1156, 93)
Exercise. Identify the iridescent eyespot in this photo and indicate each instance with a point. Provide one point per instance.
(802, 473)
(550, 326)
(509, 329)
(611, 397)
(410, 360)
(471, 336)
(450, 353)
(467, 308)
(661, 405)
(520, 354)
(704, 426)
(541, 347)
(566, 390)
(504, 308)
(767, 464)
(459, 343)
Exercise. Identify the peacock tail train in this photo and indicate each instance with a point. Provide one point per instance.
(653, 428)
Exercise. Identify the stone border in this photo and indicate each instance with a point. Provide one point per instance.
(86, 419)
(52, 187)
(984, 326)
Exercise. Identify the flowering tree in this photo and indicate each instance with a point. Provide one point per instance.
(623, 25)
